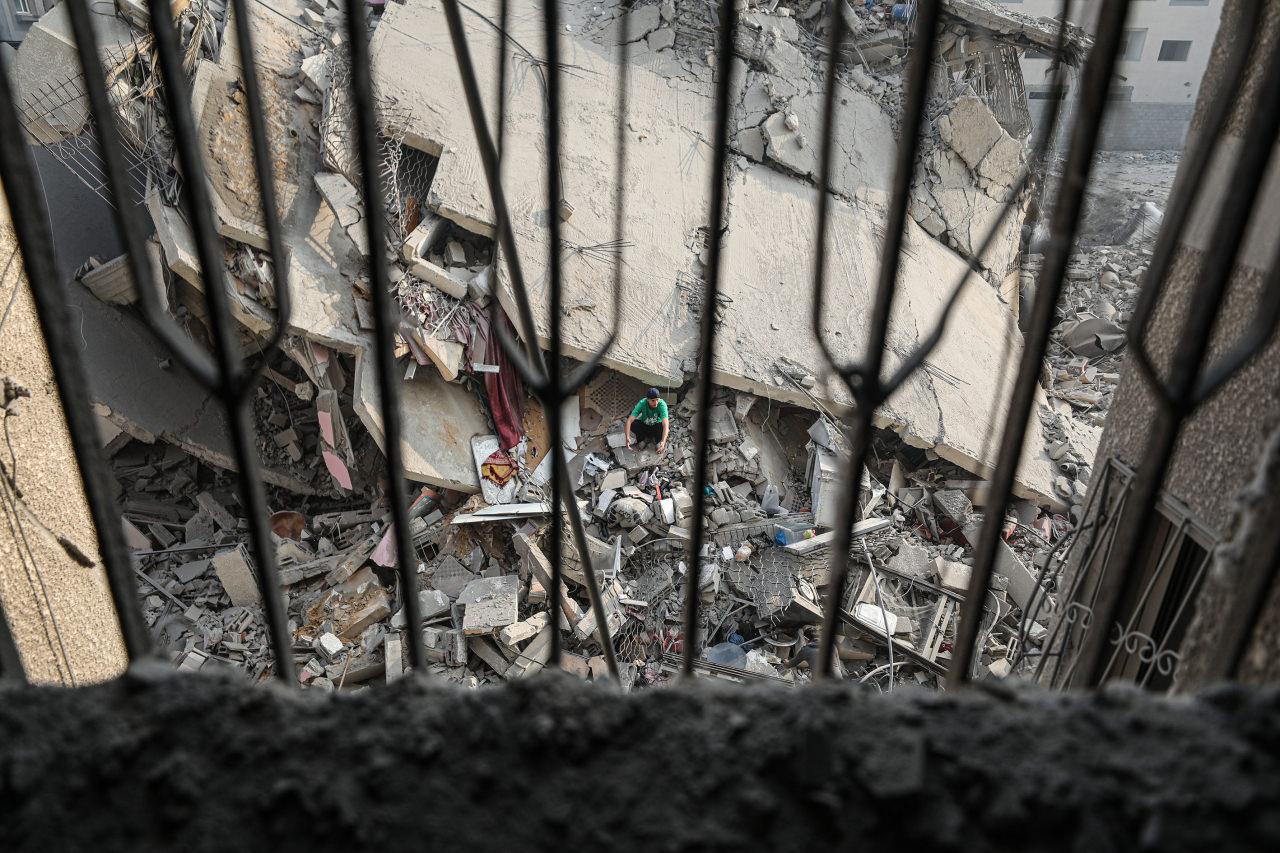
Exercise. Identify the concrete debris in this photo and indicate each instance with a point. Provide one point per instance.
(236, 574)
(481, 528)
(490, 604)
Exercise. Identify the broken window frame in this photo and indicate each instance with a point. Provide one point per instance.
(1137, 656)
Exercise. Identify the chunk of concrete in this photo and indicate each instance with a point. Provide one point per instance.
(447, 356)
(722, 427)
(661, 38)
(235, 572)
(451, 577)
(491, 604)
(516, 633)
(327, 645)
(951, 575)
(912, 560)
(373, 610)
(970, 128)
(438, 420)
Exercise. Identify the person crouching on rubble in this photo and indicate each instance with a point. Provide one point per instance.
(649, 421)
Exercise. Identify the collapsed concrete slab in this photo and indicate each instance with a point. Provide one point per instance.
(136, 386)
(951, 406)
(219, 106)
(439, 420)
(178, 246)
(659, 328)
(322, 267)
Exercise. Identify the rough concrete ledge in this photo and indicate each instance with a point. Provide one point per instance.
(154, 760)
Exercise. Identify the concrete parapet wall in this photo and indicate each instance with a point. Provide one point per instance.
(157, 760)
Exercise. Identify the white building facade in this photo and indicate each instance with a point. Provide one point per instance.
(1164, 56)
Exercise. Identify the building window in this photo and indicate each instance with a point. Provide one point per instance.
(22, 7)
(1159, 599)
(1132, 44)
(1174, 51)
(1188, 2)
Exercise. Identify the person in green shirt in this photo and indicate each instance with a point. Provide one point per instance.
(648, 421)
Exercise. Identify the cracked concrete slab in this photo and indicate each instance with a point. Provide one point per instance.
(218, 104)
(770, 232)
(668, 121)
(136, 385)
(950, 406)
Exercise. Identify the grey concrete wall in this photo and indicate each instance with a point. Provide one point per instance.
(59, 610)
(161, 761)
(1220, 446)
(1130, 125)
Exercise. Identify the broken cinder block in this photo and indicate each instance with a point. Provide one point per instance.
(236, 573)
(327, 645)
(951, 575)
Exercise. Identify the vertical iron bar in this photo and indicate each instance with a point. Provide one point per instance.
(31, 225)
(504, 17)
(550, 391)
(561, 466)
(836, 31)
(1084, 138)
(384, 321)
(866, 386)
(232, 390)
(551, 27)
(706, 355)
(489, 157)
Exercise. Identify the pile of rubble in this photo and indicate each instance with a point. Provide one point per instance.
(485, 580)
(477, 444)
(1106, 271)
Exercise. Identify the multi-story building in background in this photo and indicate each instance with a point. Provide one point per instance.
(1165, 53)
(17, 16)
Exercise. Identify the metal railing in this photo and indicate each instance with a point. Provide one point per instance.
(1188, 384)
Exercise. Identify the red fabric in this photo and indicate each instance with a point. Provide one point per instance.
(504, 390)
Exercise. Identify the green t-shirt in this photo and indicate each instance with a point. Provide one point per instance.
(650, 416)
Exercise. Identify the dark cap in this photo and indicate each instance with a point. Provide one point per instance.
(654, 393)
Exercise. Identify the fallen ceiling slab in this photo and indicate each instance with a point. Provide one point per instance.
(439, 419)
(668, 120)
(135, 384)
(951, 406)
(219, 105)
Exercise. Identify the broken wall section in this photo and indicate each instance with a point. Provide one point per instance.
(970, 169)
